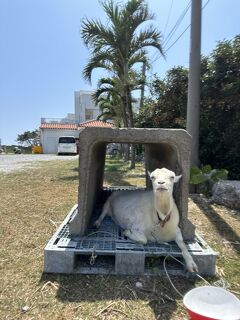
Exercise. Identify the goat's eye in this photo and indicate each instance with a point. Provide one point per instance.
(172, 177)
(152, 178)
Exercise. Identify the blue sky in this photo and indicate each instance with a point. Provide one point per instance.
(42, 54)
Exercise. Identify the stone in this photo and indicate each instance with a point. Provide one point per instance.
(139, 285)
(25, 309)
(227, 193)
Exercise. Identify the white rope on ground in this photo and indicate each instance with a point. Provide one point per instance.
(219, 283)
(165, 269)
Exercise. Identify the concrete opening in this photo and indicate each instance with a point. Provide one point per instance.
(155, 155)
(116, 169)
(168, 148)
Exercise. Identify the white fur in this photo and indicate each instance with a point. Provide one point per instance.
(136, 212)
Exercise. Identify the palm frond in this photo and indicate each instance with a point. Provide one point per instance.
(99, 60)
(149, 37)
(111, 10)
(104, 81)
(139, 56)
(136, 12)
(94, 33)
(104, 90)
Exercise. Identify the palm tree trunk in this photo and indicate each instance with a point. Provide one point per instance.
(131, 124)
(143, 84)
(125, 117)
(133, 156)
(126, 152)
(124, 113)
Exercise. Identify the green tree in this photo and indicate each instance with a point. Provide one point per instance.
(167, 106)
(108, 98)
(220, 106)
(120, 45)
(29, 138)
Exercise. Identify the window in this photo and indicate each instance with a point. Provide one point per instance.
(67, 140)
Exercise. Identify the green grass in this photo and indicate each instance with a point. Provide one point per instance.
(34, 201)
(117, 172)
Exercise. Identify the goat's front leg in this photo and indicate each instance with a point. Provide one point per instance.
(102, 215)
(135, 235)
(191, 265)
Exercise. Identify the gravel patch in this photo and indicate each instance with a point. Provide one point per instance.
(13, 162)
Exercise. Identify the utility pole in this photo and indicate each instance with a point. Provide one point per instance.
(193, 104)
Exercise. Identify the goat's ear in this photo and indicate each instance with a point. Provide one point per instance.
(177, 178)
(149, 173)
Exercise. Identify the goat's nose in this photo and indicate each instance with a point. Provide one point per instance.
(160, 182)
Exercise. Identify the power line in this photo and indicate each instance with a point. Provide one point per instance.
(175, 27)
(166, 24)
(184, 30)
(159, 56)
(205, 4)
(177, 39)
(156, 55)
(173, 30)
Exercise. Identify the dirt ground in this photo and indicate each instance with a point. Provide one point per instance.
(13, 162)
(33, 202)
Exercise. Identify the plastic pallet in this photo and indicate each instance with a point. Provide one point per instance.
(107, 251)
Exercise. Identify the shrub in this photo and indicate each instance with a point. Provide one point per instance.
(206, 177)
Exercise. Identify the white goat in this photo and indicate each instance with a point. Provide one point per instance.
(149, 215)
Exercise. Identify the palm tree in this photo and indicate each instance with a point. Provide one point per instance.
(108, 90)
(120, 45)
(109, 111)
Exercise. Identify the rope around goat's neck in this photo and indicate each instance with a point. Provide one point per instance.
(157, 201)
(161, 221)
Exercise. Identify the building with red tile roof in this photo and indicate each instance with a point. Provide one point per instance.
(67, 126)
(52, 129)
(85, 115)
(96, 123)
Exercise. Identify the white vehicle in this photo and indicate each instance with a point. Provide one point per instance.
(67, 145)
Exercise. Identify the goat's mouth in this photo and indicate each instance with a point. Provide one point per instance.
(162, 188)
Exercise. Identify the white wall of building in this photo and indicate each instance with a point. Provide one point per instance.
(49, 138)
(70, 118)
(85, 108)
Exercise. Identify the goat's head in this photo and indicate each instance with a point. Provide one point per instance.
(163, 180)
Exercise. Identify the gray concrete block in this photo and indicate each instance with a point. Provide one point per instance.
(168, 148)
(206, 263)
(58, 261)
(129, 263)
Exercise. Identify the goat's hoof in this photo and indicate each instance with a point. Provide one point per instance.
(127, 233)
(97, 224)
(192, 267)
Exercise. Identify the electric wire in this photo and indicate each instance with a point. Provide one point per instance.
(184, 30)
(176, 40)
(173, 30)
(177, 24)
(156, 55)
(168, 17)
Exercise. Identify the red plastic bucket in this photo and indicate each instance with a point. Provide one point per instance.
(212, 303)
